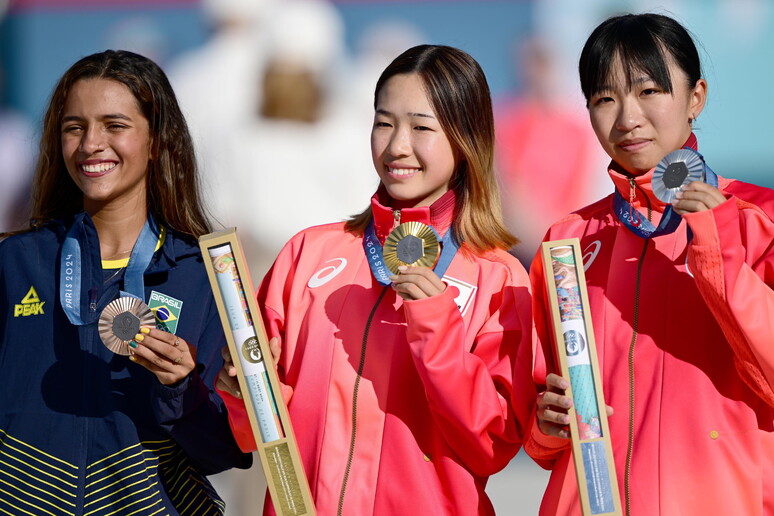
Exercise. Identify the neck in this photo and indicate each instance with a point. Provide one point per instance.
(118, 228)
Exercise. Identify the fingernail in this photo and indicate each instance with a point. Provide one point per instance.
(132, 344)
(133, 358)
(403, 268)
(145, 330)
(393, 277)
(139, 338)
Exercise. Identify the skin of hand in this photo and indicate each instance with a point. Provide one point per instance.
(552, 406)
(227, 380)
(167, 356)
(416, 282)
(697, 196)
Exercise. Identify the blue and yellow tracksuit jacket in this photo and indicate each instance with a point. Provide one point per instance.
(84, 431)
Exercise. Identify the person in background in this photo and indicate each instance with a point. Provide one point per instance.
(531, 128)
(91, 425)
(680, 295)
(400, 382)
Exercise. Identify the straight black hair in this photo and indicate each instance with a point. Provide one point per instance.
(644, 43)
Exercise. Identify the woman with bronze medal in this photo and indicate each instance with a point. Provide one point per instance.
(679, 267)
(110, 337)
(403, 333)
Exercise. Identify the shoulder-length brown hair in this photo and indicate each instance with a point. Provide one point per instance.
(459, 94)
(173, 194)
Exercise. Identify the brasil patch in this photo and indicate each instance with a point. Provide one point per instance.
(167, 311)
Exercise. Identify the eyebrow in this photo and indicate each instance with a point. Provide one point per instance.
(423, 115)
(112, 116)
(639, 80)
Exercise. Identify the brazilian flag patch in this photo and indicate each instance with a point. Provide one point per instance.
(167, 311)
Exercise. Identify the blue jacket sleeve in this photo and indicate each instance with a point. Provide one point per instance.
(195, 415)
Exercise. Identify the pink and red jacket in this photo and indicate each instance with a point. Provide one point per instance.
(685, 340)
(429, 418)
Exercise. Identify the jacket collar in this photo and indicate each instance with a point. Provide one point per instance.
(440, 214)
(643, 192)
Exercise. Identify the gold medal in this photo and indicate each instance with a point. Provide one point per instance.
(120, 321)
(411, 243)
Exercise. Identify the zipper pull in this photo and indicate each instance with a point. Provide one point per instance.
(93, 299)
(396, 216)
(633, 216)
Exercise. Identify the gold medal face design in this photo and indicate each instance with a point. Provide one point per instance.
(411, 243)
(120, 321)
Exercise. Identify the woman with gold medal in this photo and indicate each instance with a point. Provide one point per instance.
(109, 335)
(403, 334)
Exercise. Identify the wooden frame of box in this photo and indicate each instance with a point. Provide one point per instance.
(258, 381)
(574, 340)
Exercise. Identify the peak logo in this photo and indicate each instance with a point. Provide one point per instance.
(30, 305)
(326, 274)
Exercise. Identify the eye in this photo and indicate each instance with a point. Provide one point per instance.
(115, 126)
(422, 128)
(598, 101)
(72, 129)
(380, 123)
(650, 91)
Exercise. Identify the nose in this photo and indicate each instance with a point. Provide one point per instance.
(92, 141)
(629, 115)
(400, 142)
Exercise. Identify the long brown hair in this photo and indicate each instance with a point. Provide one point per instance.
(173, 194)
(459, 94)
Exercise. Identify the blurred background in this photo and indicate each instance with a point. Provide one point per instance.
(279, 98)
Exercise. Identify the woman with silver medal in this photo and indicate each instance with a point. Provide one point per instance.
(131, 414)
(679, 268)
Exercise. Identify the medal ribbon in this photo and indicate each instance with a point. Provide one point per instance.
(670, 220)
(70, 269)
(375, 254)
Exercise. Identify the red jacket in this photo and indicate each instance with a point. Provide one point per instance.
(433, 415)
(703, 355)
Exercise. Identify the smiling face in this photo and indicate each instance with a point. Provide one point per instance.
(411, 152)
(640, 125)
(106, 144)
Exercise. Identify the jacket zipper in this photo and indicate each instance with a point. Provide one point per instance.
(360, 368)
(635, 328)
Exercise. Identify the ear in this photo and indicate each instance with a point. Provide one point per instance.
(698, 97)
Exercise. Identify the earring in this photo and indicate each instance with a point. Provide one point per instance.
(692, 119)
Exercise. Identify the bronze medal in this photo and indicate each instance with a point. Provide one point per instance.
(121, 320)
(411, 243)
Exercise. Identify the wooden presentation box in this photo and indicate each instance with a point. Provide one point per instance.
(574, 340)
(258, 382)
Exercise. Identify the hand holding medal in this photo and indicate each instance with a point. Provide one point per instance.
(684, 180)
(166, 355)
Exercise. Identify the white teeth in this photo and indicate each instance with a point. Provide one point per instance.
(403, 171)
(97, 168)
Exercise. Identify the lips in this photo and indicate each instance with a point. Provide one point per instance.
(633, 145)
(402, 172)
(97, 169)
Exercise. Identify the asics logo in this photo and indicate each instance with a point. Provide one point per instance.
(590, 253)
(687, 268)
(326, 274)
